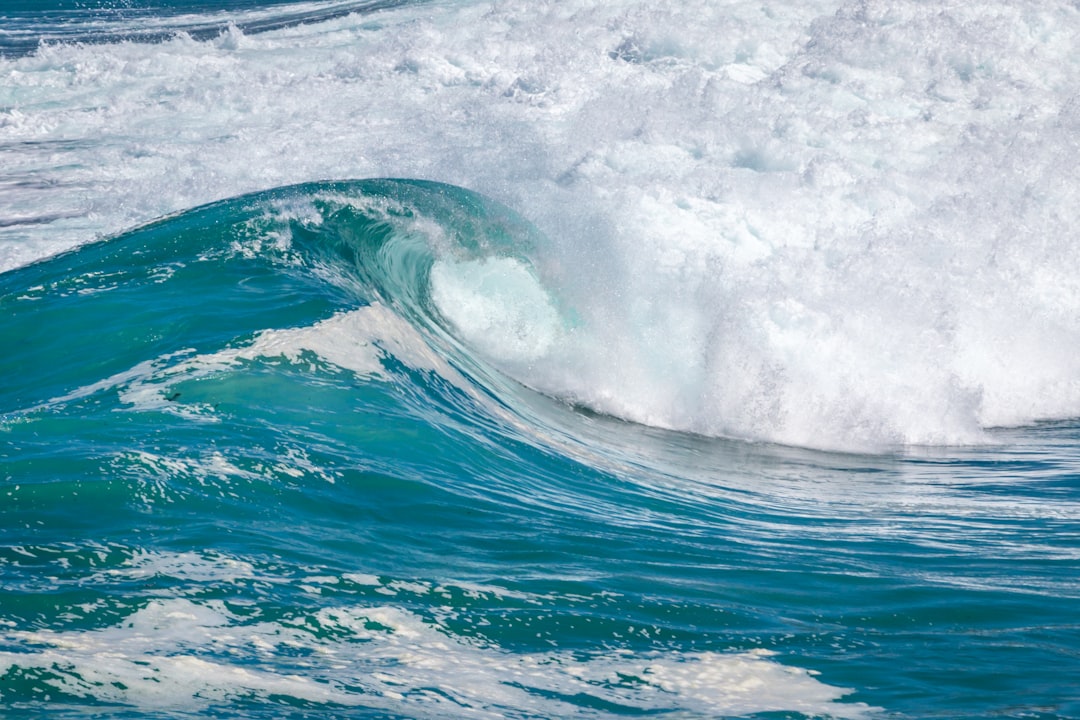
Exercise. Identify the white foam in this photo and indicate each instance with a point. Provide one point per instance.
(179, 654)
(841, 224)
(356, 340)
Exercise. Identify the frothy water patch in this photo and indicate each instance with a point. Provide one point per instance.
(181, 654)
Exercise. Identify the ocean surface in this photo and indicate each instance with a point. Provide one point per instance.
(506, 359)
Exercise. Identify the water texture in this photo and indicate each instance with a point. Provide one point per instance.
(703, 360)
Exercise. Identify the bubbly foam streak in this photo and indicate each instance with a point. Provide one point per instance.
(177, 654)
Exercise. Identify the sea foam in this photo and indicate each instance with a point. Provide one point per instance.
(179, 654)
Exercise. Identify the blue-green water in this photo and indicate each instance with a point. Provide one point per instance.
(207, 512)
(533, 435)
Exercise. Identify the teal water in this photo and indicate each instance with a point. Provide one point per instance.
(248, 468)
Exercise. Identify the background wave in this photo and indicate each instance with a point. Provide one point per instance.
(28, 24)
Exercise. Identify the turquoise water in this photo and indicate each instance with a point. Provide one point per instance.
(719, 361)
(208, 512)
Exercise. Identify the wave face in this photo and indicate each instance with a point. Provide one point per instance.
(843, 225)
(550, 429)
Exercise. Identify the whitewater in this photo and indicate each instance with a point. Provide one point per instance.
(366, 358)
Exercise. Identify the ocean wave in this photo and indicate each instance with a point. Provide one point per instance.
(761, 223)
